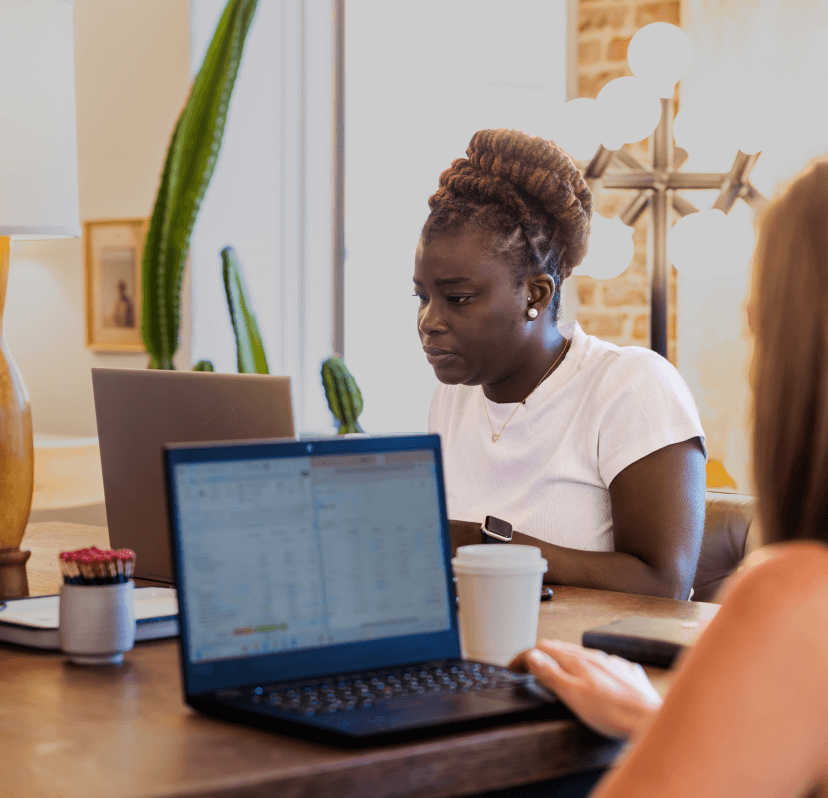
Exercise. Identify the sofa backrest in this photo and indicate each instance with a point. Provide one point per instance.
(727, 538)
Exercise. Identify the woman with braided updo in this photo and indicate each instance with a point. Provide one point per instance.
(592, 452)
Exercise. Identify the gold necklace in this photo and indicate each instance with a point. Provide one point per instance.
(496, 435)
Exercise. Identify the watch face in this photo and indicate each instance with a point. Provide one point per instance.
(499, 527)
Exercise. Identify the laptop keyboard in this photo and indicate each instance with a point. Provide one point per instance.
(355, 691)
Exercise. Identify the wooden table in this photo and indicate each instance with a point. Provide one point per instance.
(124, 731)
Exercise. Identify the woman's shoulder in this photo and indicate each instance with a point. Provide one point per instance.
(788, 554)
(638, 374)
(623, 362)
(784, 580)
(791, 557)
(640, 360)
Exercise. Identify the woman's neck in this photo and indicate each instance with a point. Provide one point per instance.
(540, 361)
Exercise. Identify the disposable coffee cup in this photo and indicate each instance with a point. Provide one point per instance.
(498, 588)
(97, 622)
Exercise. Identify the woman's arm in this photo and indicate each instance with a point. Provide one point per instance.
(747, 714)
(658, 521)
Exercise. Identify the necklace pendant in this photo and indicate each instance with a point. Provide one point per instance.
(495, 437)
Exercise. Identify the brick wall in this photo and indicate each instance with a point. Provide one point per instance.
(619, 310)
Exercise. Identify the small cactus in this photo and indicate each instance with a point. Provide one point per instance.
(343, 394)
(203, 365)
(250, 354)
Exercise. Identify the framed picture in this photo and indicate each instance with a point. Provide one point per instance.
(113, 284)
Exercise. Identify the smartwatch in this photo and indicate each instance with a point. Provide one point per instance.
(496, 530)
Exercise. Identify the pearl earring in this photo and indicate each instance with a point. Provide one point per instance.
(532, 313)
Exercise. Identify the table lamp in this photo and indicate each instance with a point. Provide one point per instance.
(38, 199)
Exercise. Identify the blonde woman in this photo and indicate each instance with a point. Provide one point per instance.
(747, 714)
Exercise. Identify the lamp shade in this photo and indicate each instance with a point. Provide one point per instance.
(660, 54)
(629, 112)
(38, 136)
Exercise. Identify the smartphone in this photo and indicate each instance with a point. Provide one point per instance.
(652, 641)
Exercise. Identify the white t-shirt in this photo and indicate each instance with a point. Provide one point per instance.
(603, 408)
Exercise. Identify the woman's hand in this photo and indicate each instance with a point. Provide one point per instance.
(608, 693)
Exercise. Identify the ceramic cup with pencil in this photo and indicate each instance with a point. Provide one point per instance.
(97, 605)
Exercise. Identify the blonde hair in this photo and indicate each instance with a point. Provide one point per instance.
(790, 369)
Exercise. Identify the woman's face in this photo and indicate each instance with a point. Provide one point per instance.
(471, 319)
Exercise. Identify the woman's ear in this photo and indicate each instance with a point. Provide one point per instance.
(540, 290)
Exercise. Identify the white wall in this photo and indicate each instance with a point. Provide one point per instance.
(420, 79)
(272, 192)
(271, 198)
(131, 79)
(780, 50)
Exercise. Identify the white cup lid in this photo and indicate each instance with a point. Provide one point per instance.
(488, 555)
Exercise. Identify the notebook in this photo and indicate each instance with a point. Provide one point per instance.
(139, 410)
(34, 621)
(316, 596)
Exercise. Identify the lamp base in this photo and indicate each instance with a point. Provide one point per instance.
(16, 447)
(13, 581)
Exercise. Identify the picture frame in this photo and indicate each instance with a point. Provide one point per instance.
(113, 249)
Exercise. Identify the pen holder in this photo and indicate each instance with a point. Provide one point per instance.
(97, 622)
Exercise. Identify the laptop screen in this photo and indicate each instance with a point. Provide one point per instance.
(292, 553)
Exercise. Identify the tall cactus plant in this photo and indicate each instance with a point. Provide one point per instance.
(191, 159)
(343, 394)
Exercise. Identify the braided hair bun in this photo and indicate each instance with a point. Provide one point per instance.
(523, 189)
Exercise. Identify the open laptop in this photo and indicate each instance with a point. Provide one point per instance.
(139, 410)
(316, 595)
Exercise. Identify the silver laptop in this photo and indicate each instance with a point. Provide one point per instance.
(139, 410)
